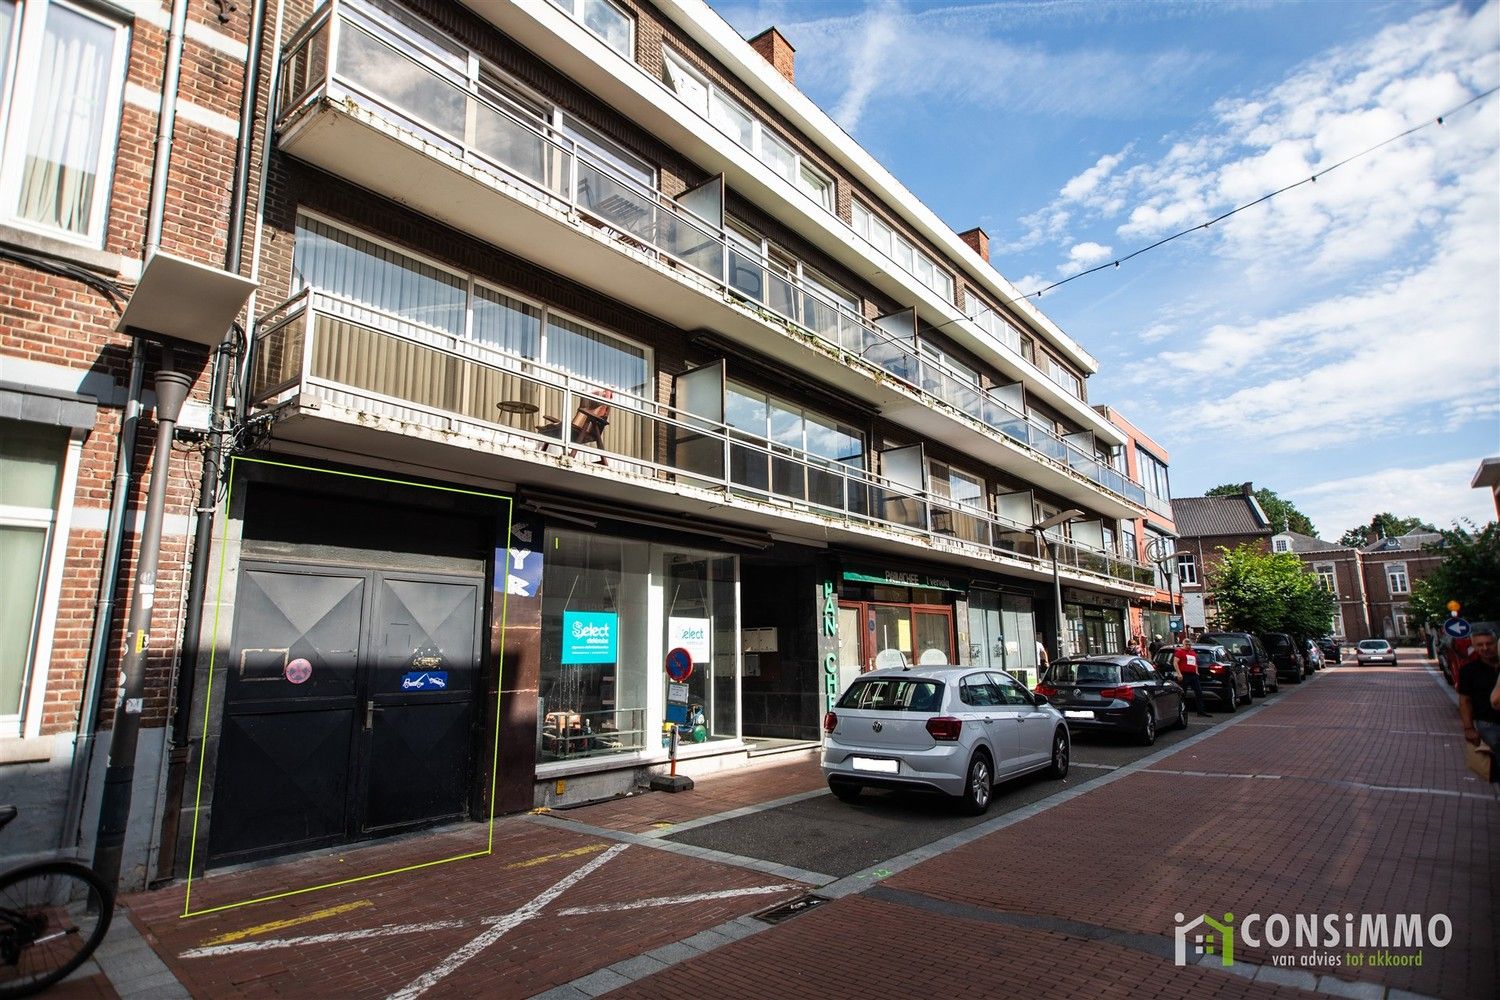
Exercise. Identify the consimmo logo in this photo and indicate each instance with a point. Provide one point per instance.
(1216, 938)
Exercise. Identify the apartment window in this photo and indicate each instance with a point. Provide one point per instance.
(1326, 578)
(1153, 472)
(1128, 547)
(1395, 576)
(748, 131)
(901, 250)
(611, 23)
(773, 427)
(996, 326)
(31, 467)
(946, 481)
(62, 74)
(1058, 373)
(1187, 571)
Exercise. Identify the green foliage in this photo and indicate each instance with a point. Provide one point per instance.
(1383, 525)
(1468, 574)
(1283, 514)
(1256, 591)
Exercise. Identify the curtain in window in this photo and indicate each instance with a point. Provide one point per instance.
(30, 470)
(334, 261)
(608, 363)
(63, 148)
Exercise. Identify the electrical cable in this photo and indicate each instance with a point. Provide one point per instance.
(111, 290)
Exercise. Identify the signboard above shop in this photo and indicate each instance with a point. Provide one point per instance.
(901, 578)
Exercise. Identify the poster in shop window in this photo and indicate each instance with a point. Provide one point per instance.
(691, 634)
(589, 636)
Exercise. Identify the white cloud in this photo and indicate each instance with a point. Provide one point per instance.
(1084, 184)
(1084, 255)
(1436, 493)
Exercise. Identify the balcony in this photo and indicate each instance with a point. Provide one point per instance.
(1160, 506)
(339, 375)
(390, 109)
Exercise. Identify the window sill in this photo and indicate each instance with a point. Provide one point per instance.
(101, 261)
(635, 759)
(15, 750)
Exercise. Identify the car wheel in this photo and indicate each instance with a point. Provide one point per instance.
(1297, 677)
(979, 786)
(1181, 713)
(1231, 698)
(1059, 766)
(1147, 734)
(1249, 693)
(843, 791)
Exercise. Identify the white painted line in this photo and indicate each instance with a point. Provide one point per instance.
(674, 900)
(389, 930)
(500, 926)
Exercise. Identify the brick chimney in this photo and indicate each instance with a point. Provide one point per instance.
(1248, 489)
(777, 51)
(979, 242)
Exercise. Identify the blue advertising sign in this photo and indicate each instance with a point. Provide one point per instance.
(522, 562)
(1457, 628)
(589, 636)
(427, 680)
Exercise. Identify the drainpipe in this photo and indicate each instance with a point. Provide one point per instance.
(172, 388)
(180, 748)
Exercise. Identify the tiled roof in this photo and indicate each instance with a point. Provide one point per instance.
(1196, 517)
(1307, 543)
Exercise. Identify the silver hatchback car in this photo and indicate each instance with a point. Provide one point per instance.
(956, 730)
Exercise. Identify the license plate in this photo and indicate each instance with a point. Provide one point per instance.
(874, 764)
(1078, 715)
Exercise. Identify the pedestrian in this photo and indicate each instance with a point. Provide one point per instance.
(1133, 647)
(1477, 680)
(1043, 662)
(1186, 663)
(1156, 643)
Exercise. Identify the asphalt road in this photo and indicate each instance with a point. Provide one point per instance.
(825, 835)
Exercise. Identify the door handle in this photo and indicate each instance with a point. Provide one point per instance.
(369, 715)
(988, 720)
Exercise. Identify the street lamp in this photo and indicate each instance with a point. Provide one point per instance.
(1168, 564)
(1041, 528)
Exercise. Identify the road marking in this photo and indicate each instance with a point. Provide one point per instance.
(674, 900)
(279, 925)
(575, 852)
(500, 926)
(389, 930)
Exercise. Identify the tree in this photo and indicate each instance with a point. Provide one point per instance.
(1258, 592)
(1468, 574)
(1383, 525)
(1283, 514)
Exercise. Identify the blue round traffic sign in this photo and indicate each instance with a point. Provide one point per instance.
(1457, 628)
(679, 664)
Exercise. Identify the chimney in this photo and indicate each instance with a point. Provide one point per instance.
(777, 51)
(1248, 489)
(979, 242)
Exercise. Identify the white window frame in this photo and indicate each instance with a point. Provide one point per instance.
(1281, 544)
(575, 10)
(1326, 578)
(1187, 570)
(24, 72)
(820, 189)
(1396, 579)
(903, 252)
(57, 523)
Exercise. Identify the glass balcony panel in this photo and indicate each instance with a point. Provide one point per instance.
(820, 317)
(746, 276)
(507, 141)
(305, 67)
(396, 78)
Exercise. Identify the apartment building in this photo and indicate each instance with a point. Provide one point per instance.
(1153, 535)
(582, 345)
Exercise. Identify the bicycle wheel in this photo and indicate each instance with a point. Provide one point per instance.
(53, 915)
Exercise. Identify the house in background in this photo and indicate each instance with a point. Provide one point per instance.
(1391, 566)
(1340, 570)
(1204, 526)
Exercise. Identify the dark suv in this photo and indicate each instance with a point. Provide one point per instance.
(1286, 656)
(1250, 651)
(1332, 651)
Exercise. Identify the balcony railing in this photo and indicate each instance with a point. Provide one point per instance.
(385, 366)
(348, 53)
(1158, 505)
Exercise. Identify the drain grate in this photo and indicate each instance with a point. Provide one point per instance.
(790, 909)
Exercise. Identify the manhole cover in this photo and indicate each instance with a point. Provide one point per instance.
(787, 910)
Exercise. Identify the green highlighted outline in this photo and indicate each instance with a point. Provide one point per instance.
(187, 910)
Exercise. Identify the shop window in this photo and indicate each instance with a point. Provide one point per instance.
(1002, 634)
(31, 466)
(702, 617)
(62, 76)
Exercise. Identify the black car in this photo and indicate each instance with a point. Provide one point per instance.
(1284, 653)
(1113, 693)
(1252, 653)
(1223, 678)
(1332, 651)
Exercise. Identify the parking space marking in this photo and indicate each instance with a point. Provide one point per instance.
(573, 853)
(696, 897)
(388, 930)
(281, 925)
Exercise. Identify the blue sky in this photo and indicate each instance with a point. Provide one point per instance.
(1340, 343)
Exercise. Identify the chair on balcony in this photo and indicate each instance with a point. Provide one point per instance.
(586, 427)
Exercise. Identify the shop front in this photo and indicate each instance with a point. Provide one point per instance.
(891, 618)
(1095, 622)
(1002, 633)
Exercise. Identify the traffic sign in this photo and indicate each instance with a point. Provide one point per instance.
(1457, 628)
(1176, 624)
(679, 664)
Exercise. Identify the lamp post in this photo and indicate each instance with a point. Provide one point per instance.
(1168, 563)
(1041, 528)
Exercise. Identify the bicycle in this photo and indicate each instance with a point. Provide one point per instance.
(53, 914)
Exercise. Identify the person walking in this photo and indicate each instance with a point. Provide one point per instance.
(1186, 663)
(1156, 643)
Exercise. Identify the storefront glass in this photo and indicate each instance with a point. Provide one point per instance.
(1094, 631)
(702, 617)
(1002, 634)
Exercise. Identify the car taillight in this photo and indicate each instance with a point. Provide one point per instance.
(1217, 668)
(1122, 693)
(943, 727)
(1045, 690)
(830, 722)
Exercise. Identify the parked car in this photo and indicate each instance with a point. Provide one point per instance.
(1223, 677)
(1120, 693)
(1375, 651)
(1289, 662)
(1313, 655)
(948, 729)
(1331, 648)
(1252, 653)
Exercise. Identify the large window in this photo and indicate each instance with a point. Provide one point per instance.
(1326, 578)
(748, 131)
(1187, 571)
(1395, 575)
(1153, 472)
(62, 74)
(813, 445)
(371, 277)
(1002, 634)
(901, 250)
(610, 22)
(996, 325)
(31, 466)
(1059, 373)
